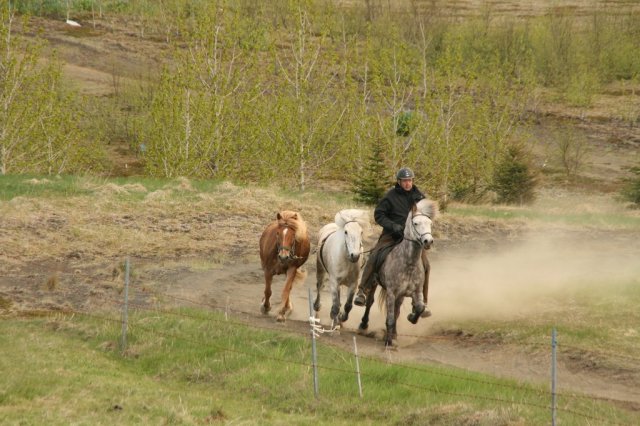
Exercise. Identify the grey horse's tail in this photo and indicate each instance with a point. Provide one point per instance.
(382, 300)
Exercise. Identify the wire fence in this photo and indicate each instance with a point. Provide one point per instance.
(373, 379)
(542, 400)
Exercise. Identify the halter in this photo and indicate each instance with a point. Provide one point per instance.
(415, 231)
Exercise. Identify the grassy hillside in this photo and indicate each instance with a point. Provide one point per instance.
(560, 81)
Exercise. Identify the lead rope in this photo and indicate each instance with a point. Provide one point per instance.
(317, 329)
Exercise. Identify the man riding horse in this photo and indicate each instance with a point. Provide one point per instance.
(391, 213)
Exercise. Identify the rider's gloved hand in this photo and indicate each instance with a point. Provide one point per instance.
(398, 231)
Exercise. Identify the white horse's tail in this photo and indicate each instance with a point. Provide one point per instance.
(301, 275)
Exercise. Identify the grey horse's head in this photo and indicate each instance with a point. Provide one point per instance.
(419, 223)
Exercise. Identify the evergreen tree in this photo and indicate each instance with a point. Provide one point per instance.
(513, 180)
(631, 191)
(405, 123)
(371, 184)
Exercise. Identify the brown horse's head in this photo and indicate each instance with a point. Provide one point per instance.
(291, 229)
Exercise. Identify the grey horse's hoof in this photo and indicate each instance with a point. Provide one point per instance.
(426, 313)
(414, 316)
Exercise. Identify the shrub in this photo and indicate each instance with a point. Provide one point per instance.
(513, 181)
(406, 123)
(631, 191)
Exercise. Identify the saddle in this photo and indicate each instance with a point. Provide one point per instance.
(381, 255)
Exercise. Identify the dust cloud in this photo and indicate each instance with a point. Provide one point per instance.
(532, 276)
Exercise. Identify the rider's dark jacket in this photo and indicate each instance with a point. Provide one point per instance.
(395, 206)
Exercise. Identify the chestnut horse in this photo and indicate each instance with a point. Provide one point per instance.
(284, 248)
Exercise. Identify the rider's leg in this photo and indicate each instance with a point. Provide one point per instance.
(366, 282)
(368, 274)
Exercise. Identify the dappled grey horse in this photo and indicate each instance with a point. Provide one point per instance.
(402, 273)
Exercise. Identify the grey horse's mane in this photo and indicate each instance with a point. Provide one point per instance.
(427, 207)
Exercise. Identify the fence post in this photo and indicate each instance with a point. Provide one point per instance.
(355, 350)
(314, 354)
(553, 377)
(125, 316)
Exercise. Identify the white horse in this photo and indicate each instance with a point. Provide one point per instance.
(339, 257)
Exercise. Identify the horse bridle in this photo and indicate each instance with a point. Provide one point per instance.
(345, 240)
(415, 231)
(292, 249)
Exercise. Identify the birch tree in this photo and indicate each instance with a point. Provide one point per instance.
(309, 115)
(40, 121)
(192, 114)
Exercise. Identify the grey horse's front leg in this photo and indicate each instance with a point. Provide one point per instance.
(425, 287)
(391, 321)
(414, 316)
(418, 307)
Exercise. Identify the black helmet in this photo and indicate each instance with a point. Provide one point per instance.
(405, 173)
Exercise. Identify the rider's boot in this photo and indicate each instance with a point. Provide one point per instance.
(365, 283)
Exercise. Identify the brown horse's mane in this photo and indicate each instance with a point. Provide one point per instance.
(294, 221)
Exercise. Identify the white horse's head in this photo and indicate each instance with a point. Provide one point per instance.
(419, 222)
(352, 222)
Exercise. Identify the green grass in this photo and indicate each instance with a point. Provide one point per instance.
(192, 367)
(41, 186)
(621, 219)
(12, 186)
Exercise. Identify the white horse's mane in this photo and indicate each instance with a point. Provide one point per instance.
(341, 219)
(350, 215)
(427, 207)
